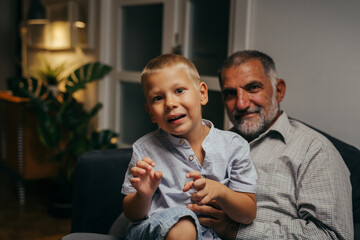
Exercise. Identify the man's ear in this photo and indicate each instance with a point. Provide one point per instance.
(203, 93)
(147, 108)
(280, 89)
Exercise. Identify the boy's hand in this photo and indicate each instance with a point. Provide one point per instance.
(207, 189)
(145, 179)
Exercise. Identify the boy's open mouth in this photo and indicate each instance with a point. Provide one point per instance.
(176, 118)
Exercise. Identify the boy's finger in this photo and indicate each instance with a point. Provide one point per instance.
(144, 165)
(194, 174)
(157, 175)
(204, 200)
(187, 186)
(197, 196)
(136, 171)
(134, 180)
(199, 183)
(149, 161)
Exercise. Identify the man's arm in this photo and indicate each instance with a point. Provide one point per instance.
(323, 200)
(230, 230)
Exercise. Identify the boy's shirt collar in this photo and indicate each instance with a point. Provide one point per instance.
(182, 142)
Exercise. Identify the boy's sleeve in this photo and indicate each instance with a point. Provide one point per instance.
(127, 187)
(243, 175)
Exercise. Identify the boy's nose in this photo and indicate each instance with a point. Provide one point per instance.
(242, 100)
(170, 102)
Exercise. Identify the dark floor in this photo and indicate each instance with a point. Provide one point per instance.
(30, 221)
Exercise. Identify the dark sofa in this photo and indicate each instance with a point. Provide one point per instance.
(99, 174)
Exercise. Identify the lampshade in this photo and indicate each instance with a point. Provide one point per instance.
(36, 10)
(54, 26)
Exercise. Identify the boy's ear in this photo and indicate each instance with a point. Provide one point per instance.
(203, 93)
(147, 108)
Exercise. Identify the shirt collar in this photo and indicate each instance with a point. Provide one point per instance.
(281, 127)
(177, 141)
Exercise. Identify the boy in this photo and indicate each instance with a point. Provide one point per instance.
(184, 147)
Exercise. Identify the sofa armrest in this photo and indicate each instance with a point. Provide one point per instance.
(97, 198)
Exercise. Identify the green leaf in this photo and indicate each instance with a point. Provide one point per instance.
(49, 132)
(87, 73)
(63, 114)
(105, 139)
(28, 88)
(95, 110)
(72, 115)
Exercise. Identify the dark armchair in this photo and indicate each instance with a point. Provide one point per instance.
(97, 199)
(99, 175)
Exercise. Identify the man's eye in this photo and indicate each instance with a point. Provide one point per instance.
(179, 90)
(253, 88)
(229, 93)
(157, 98)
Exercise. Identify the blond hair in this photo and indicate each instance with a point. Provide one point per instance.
(169, 61)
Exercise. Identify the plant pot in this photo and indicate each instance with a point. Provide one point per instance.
(60, 200)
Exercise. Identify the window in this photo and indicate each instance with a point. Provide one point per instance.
(197, 29)
(141, 35)
(135, 121)
(206, 45)
(208, 34)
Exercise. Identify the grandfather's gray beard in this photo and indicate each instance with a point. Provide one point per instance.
(252, 128)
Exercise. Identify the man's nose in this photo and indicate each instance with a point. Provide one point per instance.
(242, 100)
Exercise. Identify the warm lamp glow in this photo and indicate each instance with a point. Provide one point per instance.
(37, 21)
(61, 30)
(79, 24)
(58, 35)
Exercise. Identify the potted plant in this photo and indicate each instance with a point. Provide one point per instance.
(62, 121)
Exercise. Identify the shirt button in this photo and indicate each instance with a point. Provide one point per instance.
(191, 157)
(182, 141)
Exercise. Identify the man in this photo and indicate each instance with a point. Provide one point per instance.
(304, 189)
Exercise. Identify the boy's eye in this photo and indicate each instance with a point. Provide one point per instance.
(157, 98)
(179, 90)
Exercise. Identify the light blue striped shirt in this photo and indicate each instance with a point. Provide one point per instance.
(226, 161)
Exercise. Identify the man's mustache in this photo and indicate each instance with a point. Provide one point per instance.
(240, 113)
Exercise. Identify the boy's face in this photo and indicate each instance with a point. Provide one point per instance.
(174, 101)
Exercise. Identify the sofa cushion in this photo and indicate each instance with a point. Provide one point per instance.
(97, 199)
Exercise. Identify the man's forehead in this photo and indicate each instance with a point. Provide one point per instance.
(253, 65)
(242, 75)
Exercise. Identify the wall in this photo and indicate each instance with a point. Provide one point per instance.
(9, 40)
(316, 45)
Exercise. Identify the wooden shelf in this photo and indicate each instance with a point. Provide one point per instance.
(21, 150)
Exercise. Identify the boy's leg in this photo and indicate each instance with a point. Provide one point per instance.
(89, 236)
(184, 229)
(158, 225)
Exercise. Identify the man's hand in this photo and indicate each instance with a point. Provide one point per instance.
(214, 217)
(145, 179)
